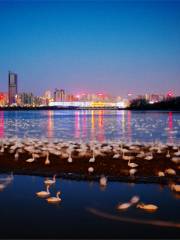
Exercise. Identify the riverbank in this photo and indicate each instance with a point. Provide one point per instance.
(118, 162)
(140, 109)
(57, 108)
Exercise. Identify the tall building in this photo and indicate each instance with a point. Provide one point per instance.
(12, 87)
(59, 95)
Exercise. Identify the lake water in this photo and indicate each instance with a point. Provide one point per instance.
(100, 125)
(86, 210)
(25, 215)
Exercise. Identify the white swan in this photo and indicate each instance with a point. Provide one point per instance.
(30, 160)
(170, 171)
(132, 171)
(175, 187)
(90, 169)
(149, 157)
(50, 181)
(134, 200)
(70, 155)
(117, 155)
(147, 207)
(132, 165)
(175, 160)
(47, 161)
(56, 199)
(44, 193)
(123, 206)
(177, 154)
(161, 174)
(103, 181)
(2, 186)
(168, 154)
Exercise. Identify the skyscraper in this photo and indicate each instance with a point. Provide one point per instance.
(59, 95)
(12, 87)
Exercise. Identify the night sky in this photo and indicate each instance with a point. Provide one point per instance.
(91, 46)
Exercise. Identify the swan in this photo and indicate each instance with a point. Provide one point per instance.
(175, 187)
(92, 159)
(149, 157)
(175, 159)
(16, 155)
(90, 169)
(132, 171)
(69, 159)
(44, 193)
(2, 186)
(56, 199)
(161, 174)
(2, 149)
(50, 181)
(168, 154)
(103, 181)
(134, 200)
(170, 171)
(117, 155)
(159, 150)
(177, 154)
(147, 207)
(175, 148)
(30, 160)
(140, 155)
(47, 161)
(123, 206)
(70, 155)
(132, 165)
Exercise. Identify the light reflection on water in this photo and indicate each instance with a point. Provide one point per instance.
(101, 125)
(25, 215)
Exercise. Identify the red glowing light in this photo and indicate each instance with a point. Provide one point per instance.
(170, 94)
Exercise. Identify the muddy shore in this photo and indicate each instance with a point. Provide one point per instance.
(114, 169)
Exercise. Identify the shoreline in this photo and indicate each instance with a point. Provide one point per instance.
(89, 108)
(95, 178)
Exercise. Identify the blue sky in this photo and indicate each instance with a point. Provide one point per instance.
(91, 46)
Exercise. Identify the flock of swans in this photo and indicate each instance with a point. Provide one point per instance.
(46, 194)
(118, 151)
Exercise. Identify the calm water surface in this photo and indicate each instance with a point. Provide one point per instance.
(89, 125)
(25, 215)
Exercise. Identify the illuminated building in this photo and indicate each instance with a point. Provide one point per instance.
(89, 104)
(59, 95)
(70, 98)
(47, 94)
(25, 99)
(12, 87)
(3, 98)
(47, 97)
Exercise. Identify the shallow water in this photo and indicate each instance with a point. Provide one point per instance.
(25, 215)
(100, 125)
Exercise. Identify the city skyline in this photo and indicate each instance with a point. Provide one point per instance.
(115, 47)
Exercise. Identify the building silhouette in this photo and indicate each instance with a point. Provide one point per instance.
(12, 87)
